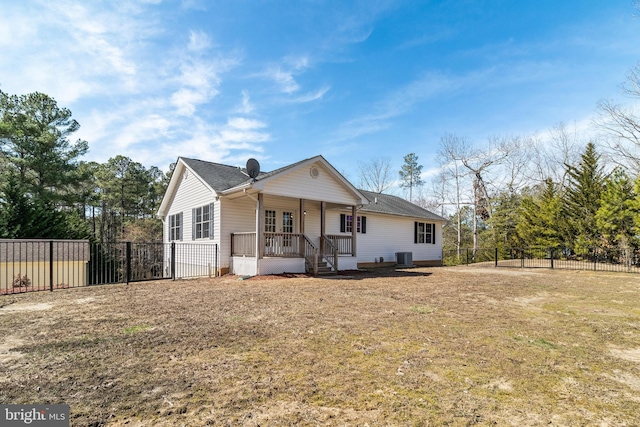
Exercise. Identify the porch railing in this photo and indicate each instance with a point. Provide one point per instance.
(329, 251)
(243, 244)
(282, 244)
(343, 243)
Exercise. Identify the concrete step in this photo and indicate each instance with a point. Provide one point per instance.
(326, 271)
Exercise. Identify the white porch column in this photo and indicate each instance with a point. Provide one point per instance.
(354, 229)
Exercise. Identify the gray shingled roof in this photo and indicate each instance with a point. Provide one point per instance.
(217, 176)
(223, 177)
(394, 205)
(284, 168)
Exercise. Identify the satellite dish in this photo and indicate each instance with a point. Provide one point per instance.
(253, 168)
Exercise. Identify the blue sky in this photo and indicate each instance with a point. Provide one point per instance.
(285, 80)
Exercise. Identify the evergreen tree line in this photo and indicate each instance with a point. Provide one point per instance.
(551, 191)
(590, 207)
(47, 192)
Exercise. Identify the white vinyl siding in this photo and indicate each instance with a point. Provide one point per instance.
(299, 184)
(190, 193)
(388, 234)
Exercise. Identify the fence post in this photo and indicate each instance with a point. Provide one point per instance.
(522, 258)
(51, 265)
(496, 252)
(173, 260)
(128, 261)
(552, 258)
(595, 260)
(467, 256)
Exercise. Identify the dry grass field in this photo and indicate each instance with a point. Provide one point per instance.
(430, 346)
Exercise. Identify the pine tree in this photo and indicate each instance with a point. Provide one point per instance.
(582, 200)
(504, 220)
(25, 217)
(35, 146)
(618, 210)
(410, 174)
(540, 218)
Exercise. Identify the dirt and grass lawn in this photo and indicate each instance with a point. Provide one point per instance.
(427, 346)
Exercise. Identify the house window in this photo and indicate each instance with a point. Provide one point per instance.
(175, 227)
(346, 224)
(424, 233)
(269, 221)
(203, 222)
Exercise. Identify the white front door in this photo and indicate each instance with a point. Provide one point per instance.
(282, 223)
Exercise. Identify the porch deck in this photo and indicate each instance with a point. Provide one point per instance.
(293, 245)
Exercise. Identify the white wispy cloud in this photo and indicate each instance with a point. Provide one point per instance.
(284, 74)
(434, 84)
(395, 104)
(199, 41)
(246, 106)
(71, 50)
(198, 78)
(285, 79)
(186, 100)
(244, 123)
(236, 139)
(310, 96)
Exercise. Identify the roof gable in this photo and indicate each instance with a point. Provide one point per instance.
(297, 180)
(217, 176)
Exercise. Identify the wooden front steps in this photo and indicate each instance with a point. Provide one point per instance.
(324, 269)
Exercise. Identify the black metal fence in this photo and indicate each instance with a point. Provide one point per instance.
(596, 259)
(39, 265)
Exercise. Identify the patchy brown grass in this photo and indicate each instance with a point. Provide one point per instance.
(432, 346)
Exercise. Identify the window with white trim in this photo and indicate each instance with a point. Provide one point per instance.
(203, 222)
(175, 227)
(424, 232)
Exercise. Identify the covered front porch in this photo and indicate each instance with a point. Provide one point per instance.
(295, 236)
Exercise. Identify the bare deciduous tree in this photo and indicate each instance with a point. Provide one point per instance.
(621, 123)
(622, 126)
(375, 175)
(452, 150)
